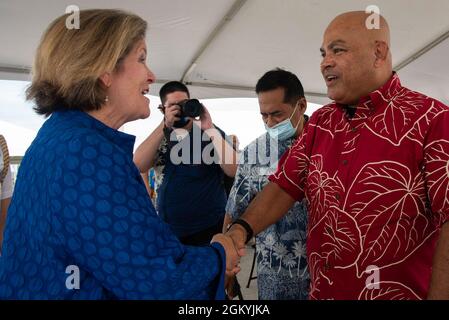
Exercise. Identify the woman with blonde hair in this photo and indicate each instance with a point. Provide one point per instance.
(80, 224)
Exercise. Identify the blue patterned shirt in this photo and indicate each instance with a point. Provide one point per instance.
(81, 205)
(282, 272)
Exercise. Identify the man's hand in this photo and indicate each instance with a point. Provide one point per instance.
(232, 256)
(227, 156)
(238, 235)
(171, 114)
(206, 120)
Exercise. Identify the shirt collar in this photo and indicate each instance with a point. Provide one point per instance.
(385, 93)
(380, 96)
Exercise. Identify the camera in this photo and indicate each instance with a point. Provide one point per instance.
(189, 108)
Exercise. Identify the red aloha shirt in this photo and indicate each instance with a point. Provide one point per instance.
(377, 186)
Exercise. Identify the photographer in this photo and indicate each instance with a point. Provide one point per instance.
(191, 196)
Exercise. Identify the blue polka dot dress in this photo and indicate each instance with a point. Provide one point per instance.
(81, 225)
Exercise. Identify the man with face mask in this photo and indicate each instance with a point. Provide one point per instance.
(282, 267)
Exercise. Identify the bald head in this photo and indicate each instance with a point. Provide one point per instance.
(359, 23)
(356, 56)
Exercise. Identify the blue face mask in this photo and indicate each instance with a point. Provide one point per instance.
(283, 130)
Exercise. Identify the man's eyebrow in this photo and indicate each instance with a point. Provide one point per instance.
(270, 113)
(333, 44)
(336, 43)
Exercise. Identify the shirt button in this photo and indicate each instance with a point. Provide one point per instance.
(353, 129)
(345, 162)
(327, 266)
(337, 196)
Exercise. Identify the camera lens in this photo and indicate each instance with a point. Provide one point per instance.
(191, 108)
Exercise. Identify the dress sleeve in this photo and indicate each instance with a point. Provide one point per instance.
(107, 224)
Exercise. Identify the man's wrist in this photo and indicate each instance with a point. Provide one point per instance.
(241, 232)
(248, 232)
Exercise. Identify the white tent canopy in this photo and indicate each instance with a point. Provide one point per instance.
(221, 47)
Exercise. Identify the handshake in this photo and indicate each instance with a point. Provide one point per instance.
(233, 241)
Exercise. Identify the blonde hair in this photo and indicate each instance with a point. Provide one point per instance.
(69, 62)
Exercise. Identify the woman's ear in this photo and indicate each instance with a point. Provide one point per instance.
(106, 79)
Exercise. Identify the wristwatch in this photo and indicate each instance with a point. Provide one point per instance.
(246, 226)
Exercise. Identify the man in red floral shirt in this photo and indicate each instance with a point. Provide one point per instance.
(374, 167)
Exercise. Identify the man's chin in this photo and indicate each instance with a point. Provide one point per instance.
(337, 98)
(333, 96)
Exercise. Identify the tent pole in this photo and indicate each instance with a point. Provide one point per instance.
(238, 4)
(422, 51)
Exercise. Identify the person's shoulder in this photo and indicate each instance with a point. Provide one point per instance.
(66, 125)
(263, 138)
(417, 98)
(74, 140)
(421, 104)
(249, 153)
(324, 110)
(79, 138)
(323, 113)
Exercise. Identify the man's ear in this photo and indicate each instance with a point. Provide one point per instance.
(106, 79)
(303, 104)
(381, 53)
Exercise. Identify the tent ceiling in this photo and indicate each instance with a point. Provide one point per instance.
(222, 47)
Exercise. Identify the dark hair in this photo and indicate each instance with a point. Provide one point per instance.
(279, 78)
(170, 87)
